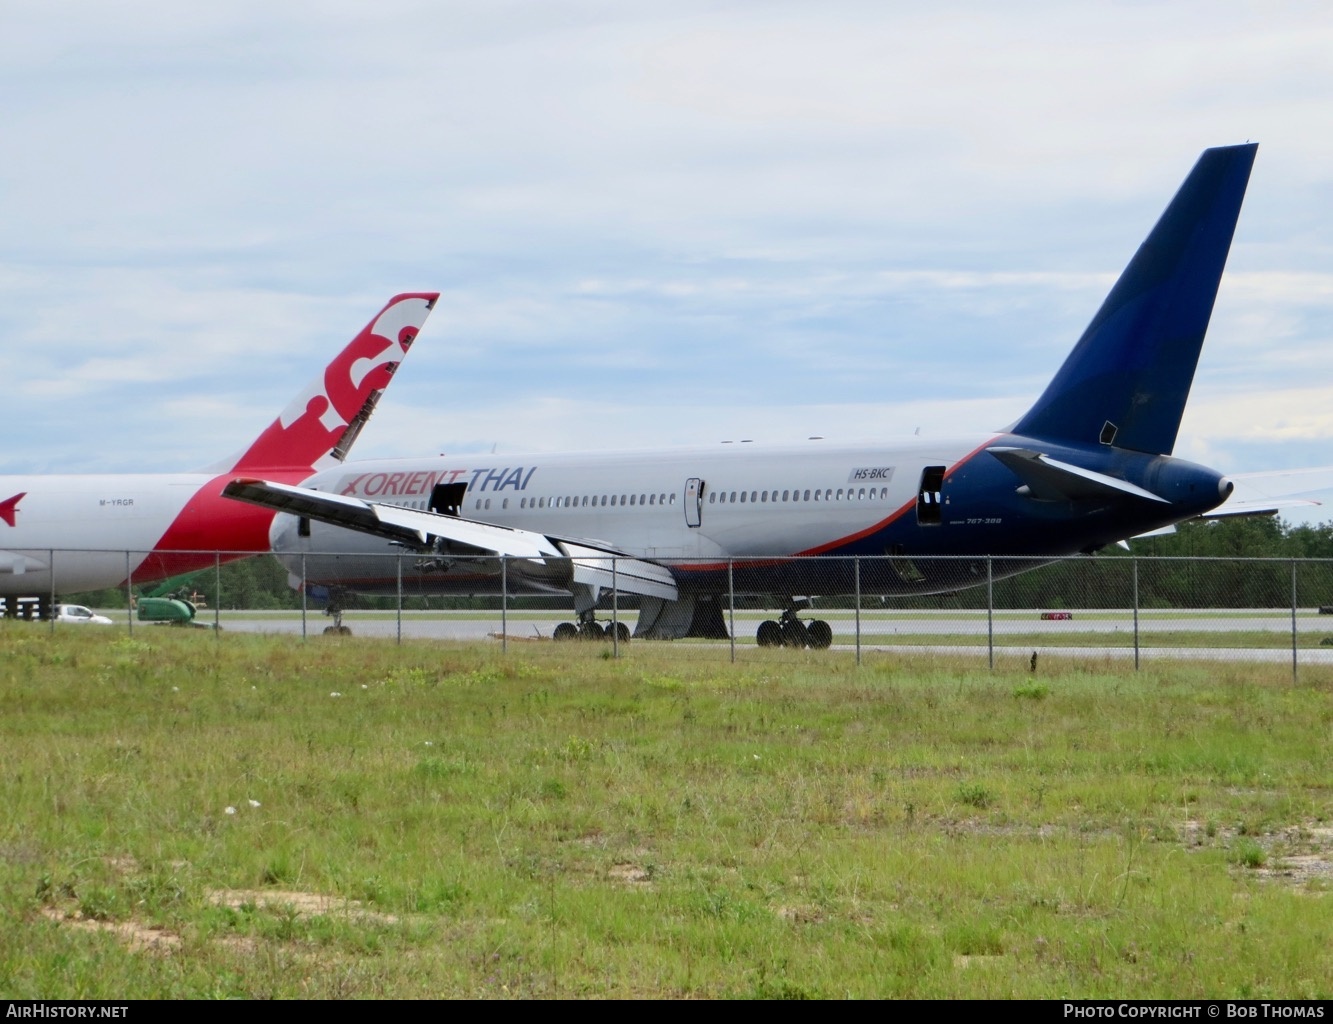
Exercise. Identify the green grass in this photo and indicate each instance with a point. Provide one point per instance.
(456, 822)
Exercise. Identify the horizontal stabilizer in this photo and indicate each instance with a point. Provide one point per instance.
(1270, 491)
(1162, 531)
(1048, 479)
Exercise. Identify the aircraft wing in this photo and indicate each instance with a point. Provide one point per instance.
(1266, 492)
(587, 561)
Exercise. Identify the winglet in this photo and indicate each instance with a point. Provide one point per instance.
(320, 424)
(1126, 381)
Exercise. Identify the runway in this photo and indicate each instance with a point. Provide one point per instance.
(1268, 633)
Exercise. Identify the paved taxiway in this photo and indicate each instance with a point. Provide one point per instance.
(878, 630)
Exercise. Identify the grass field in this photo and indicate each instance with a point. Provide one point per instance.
(190, 815)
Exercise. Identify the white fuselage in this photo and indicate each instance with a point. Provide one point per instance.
(756, 499)
(87, 532)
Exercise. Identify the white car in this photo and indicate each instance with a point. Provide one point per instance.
(78, 613)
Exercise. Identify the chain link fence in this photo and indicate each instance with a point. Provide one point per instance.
(987, 611)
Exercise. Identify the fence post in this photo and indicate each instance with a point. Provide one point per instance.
(51, 561)
(217, 592)
(615, 610)
(857, 574)
(398, 590)
(504, 604)
(1135, 560)
(303, 597)
(1293, 620)
(731, 608)
(990, 611)
(129, 594)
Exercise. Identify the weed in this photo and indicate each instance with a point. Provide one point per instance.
(1248, 854)
(974, 794)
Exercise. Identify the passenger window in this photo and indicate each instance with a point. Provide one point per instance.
(784, 495)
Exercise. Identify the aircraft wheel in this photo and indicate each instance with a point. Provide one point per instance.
(769, 634)
(821, 634)
(592, 631)
(794, 634)
(337, 630)
(622, 633)
(565, 631)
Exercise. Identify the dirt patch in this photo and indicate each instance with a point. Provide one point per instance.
(630, 874)
(1299, 855)
(963, 961)
(1302, 855)
(138, 937)
(800, 915)
(302, 904)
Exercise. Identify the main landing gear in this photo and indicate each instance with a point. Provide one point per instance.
(789, 631)
(335, 609)
(588, 628)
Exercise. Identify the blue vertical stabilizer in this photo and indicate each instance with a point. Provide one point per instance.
(1126, 381)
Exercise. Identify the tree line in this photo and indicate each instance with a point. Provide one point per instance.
(1202, 564)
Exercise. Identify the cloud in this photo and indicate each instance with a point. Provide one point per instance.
(650, 222)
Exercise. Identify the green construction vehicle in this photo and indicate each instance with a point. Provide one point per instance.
(168, 604)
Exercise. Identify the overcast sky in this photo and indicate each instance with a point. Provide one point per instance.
(651, 222)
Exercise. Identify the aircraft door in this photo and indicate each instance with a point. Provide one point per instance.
(929, 511)
(694, 501)
(447, 499)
